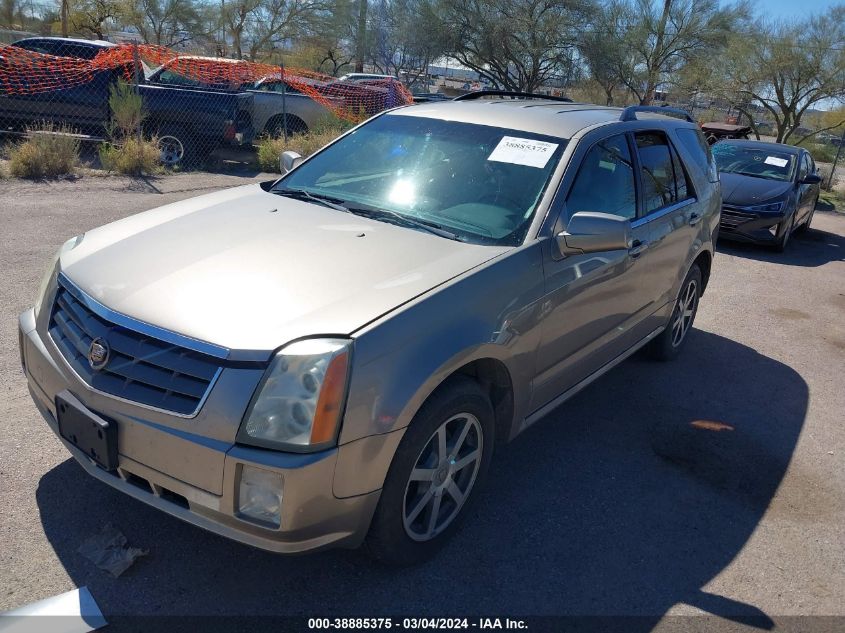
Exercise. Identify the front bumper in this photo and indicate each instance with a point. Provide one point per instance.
(313, 517)
(757, 228)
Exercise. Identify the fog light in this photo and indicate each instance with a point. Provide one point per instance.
(774, 229)
(260, 496)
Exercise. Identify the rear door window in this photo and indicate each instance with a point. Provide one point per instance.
(696, 145)
(657, 172)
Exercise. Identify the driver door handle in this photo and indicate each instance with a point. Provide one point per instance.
(694, 219)
(637, 248)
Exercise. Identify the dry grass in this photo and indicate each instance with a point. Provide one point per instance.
(47, 153)
(270, 149)
(132, 157)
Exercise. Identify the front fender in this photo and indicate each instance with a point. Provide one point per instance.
(489, 312)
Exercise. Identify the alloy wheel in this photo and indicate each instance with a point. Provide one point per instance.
(684, 312)
(442, 477)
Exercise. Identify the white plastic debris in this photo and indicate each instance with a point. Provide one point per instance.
(108, 551)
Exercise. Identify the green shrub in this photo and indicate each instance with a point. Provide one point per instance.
(48, 152)
(127, 110)
(132, 157)
(270, 149)
(821, 152)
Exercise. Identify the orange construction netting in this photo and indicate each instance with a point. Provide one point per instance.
(27, 72)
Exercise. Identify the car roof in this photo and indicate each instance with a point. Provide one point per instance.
(787, 149)
(69, 40)
(540, 116)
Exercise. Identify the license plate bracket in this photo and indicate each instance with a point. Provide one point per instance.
(87, 431)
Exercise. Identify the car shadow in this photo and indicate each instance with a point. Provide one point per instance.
(811, 248)
(626, 500)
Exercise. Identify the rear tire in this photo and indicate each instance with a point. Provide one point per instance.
(436, 471)
(670, 341)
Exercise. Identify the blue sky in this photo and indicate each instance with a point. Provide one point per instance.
(785, 9)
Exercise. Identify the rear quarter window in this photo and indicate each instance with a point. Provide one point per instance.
(695, 143)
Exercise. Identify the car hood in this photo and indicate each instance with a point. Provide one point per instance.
(250, 270)
(747, 190)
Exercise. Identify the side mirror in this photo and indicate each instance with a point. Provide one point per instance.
(289, 161)
(811, 179)
(593, 232)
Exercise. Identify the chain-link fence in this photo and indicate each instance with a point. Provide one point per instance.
(186, 105)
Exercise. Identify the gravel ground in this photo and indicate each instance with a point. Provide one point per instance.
(613, 505)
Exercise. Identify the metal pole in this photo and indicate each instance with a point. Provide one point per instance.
(136, 68)
(284, 103)
(836, 160)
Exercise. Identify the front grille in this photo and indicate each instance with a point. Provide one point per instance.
(139, 368)
(731, 219)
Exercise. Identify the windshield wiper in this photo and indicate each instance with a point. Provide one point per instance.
(425, 225)
(366, 211)
(745, 173)
(302, 194)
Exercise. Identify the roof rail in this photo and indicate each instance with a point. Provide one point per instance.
(630, 113)
(478, 94)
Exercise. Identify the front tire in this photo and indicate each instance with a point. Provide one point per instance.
(438, 467)
(781, 244)
(669, 343)
(806, 225)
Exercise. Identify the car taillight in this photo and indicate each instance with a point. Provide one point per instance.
(229, 131)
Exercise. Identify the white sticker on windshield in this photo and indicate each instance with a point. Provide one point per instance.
(777, 162)
(523, 151)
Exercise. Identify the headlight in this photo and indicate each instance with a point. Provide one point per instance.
(51, 269)
(772, 207)
(300, 400)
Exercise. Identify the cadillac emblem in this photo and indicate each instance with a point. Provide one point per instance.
(98, 353)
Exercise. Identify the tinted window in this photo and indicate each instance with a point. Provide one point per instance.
(696, 144)
(277, 86)
(605, 180)
(60, 49)
(805, 167)
(657, 171)
(172, 78)
(683, 188)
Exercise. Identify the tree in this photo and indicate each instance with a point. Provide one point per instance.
(11, 14)
(516, 44)
(361, 36)
(256, 26)
(406, 36)
(90, 16)
(661, 36)
(606, 59)
(165, 22)
(787, 69)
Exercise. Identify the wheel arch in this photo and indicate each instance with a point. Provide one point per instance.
(705, 263)
(493, 377)
(295, 122)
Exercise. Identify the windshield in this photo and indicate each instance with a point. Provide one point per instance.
(480, 183)
(760, 162)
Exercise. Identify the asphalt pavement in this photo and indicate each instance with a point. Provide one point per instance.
(615, 504)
